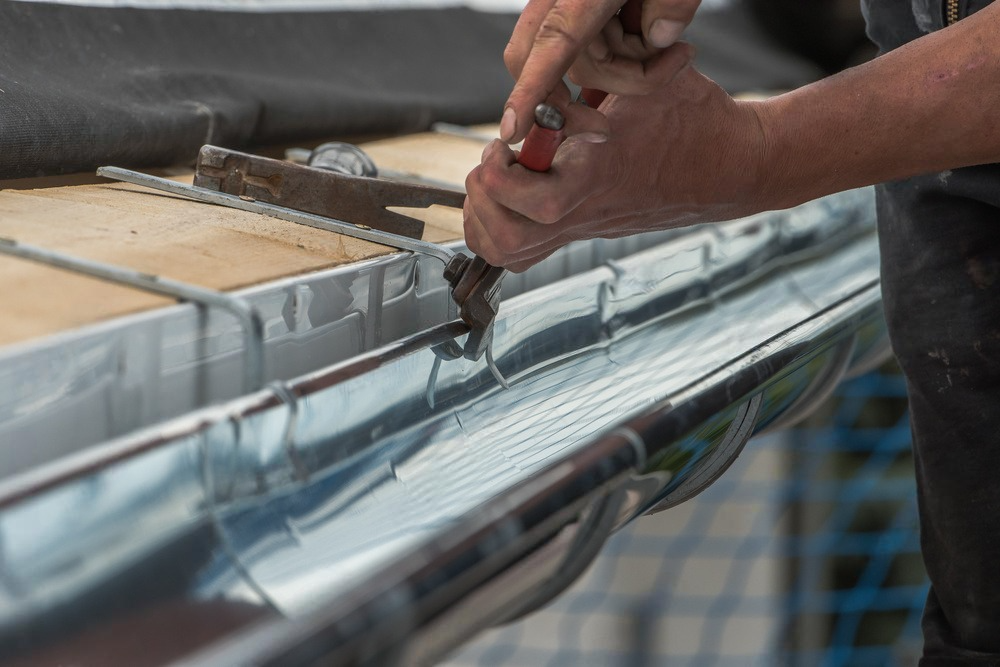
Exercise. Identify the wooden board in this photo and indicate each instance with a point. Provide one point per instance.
(170, 236)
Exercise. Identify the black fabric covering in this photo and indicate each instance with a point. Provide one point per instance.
(85, 86)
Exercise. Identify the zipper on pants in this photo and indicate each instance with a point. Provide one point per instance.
(950, 12)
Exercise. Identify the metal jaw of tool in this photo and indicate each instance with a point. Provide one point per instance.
(475, 286)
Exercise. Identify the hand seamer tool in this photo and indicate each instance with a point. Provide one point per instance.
(324, 199)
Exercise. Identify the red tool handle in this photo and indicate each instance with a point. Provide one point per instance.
(544, 137)
(631, 17)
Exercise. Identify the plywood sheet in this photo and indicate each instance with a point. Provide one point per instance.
(185, 240)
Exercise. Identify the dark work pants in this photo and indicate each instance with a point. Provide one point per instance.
(940, 241)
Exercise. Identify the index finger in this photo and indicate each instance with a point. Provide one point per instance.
(523, 36)
(564, 32)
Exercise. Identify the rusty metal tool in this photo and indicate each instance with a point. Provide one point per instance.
(356, 199)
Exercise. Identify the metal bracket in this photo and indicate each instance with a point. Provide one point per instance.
(249, 318)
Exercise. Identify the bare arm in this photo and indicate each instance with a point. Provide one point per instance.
(553, 36)
(930, 105)
(688, 153)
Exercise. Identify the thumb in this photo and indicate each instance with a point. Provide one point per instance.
(663, 21)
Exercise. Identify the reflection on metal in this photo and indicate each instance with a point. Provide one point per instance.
(463, 132)
(341, 517)
(741, 427)
(100, 382)
(835, 365)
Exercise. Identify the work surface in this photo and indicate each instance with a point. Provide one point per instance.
(184, 240)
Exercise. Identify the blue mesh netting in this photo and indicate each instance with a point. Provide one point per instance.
(804, 553)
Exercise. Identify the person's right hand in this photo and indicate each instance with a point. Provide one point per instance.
(586, 40)
(685, 154)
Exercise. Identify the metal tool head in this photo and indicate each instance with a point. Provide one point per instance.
(356, 199)
(476, 289)
(343, 158)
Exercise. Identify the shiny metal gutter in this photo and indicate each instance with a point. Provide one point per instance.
(385, 507)
(69, 391)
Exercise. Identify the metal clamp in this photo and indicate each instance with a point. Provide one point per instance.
(249, 318)
(282, 391)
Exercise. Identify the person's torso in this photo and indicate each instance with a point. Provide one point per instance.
(892, 23)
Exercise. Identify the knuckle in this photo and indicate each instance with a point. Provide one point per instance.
(512, 57)
(509, 241)
(472, 241)
(558, 27)
(493, 257)
(549, 211)
(597, 56)
(581, 73)
(490, 181)
(644, 86)
(471, 181)
(471, 230)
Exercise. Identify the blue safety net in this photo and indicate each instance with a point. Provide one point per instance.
(804, 553)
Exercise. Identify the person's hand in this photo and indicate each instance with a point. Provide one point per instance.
(586, 40)
(685, 154)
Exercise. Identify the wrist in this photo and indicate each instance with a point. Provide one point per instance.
(810, 148)
(764, 163)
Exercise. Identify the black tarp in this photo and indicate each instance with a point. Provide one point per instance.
(85, 86)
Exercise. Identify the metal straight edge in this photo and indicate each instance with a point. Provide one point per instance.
(250, 320)
(280, 212)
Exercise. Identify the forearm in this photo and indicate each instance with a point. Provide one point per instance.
(928, 106)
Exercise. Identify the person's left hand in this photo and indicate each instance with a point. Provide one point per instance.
(685, 154)
(585, 39)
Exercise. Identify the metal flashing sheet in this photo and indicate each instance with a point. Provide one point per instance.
(384, 506)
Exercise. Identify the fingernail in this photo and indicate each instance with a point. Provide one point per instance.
(592, 137)
(508, 124)
(663, 33)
